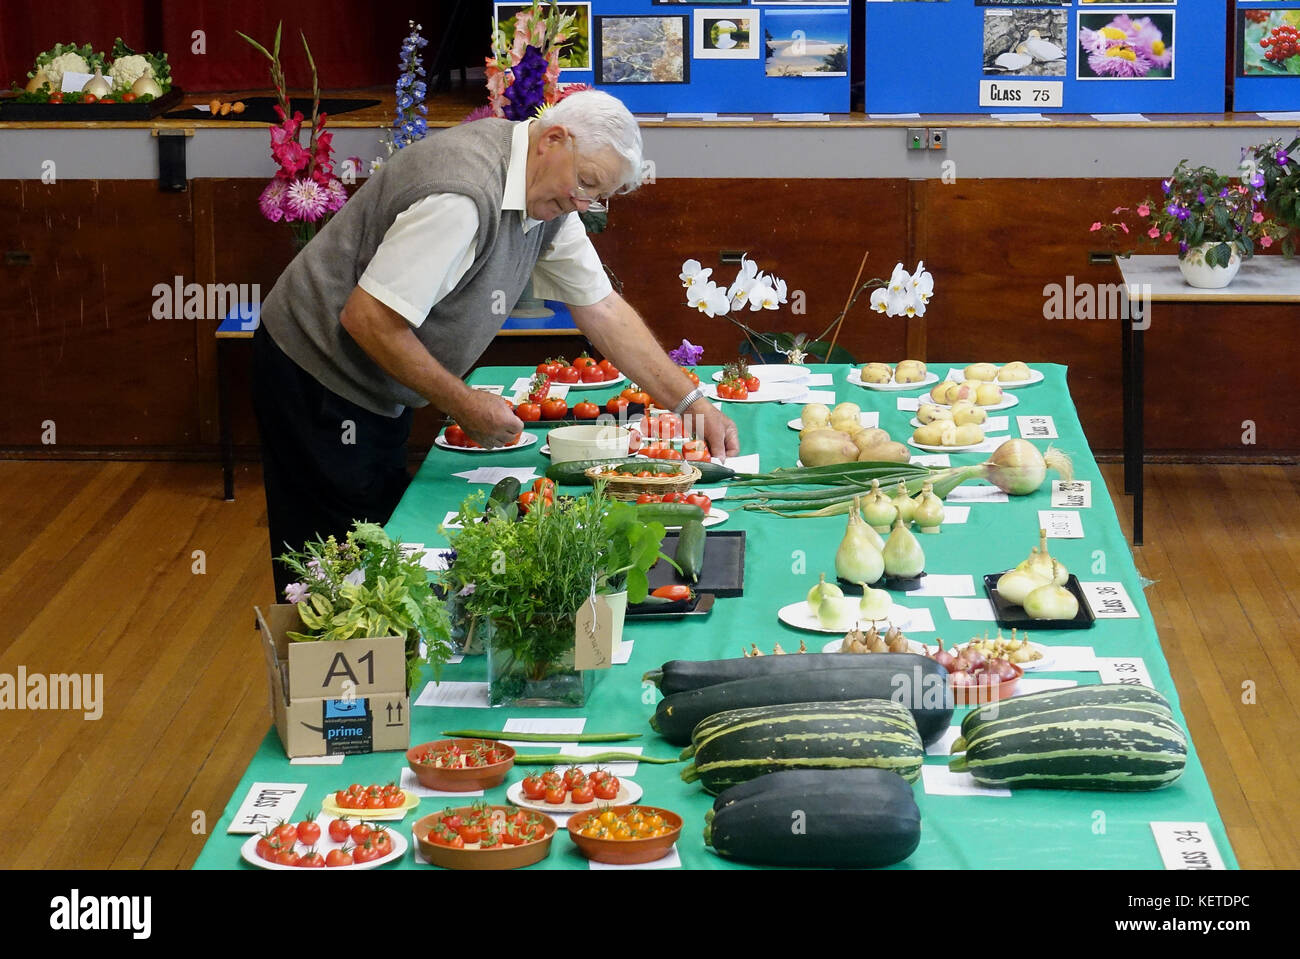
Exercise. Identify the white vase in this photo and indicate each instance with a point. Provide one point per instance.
(1200, 274)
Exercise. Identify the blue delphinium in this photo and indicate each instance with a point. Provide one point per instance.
(410, 124)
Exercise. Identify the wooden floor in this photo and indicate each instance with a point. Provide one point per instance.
(100, 572)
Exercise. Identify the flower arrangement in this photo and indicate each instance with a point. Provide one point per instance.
(304, 192)
(904, 294)
(1202, 207)
(1274, 170)
(368, 585)
(524, 69)
(124, 71)
(1127, 47)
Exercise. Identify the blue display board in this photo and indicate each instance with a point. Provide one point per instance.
(959, 56)
(1266, 56)
(666, 57)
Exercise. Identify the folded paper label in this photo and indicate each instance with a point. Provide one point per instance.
(593, 634)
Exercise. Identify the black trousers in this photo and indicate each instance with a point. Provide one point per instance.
(325, 461)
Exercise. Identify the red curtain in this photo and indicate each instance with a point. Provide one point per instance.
(355, 44)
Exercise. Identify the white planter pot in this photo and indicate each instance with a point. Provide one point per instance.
(1201, 275)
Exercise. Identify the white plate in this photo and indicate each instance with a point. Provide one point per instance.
(944, 449)
(1008, 401)
(628, 792)
(800, 616)
(595, 386)
(528, 439)
(768, 392)
(855, 379)
(912, 647)
(864, 417)
(1043, 663)
(917, 423)
(249, 850)
(774, 373)
(1035, 376)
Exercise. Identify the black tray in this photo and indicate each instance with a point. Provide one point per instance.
(80, 112)
(1009, 614)
(701, 605)
(723, 572)
(262, 109)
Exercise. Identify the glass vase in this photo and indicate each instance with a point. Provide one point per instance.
(516, 681)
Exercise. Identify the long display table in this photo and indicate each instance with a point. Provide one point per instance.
(1029, 829)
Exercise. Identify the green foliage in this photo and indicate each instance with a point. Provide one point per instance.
(85, 50)
(837, 61)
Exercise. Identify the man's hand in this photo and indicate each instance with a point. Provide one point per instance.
(486, 419)
(705, 421)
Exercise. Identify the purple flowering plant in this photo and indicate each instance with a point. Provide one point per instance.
(410, 124)
(1273, 170)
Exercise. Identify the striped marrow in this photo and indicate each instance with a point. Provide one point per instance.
(1101, 694)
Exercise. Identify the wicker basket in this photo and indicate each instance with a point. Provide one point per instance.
(627, 487)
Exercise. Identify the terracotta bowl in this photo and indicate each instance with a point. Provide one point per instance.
(978, 695)
(506, 857)
(469, 779)
(624, 852)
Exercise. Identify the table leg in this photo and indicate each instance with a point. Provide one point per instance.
(1139, 437)
(1126, 391)
(223, 425)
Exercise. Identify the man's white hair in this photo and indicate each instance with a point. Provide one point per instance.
(599, 121)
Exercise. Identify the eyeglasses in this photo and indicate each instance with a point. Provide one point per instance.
(591, 204)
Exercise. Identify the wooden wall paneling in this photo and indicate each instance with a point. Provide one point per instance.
(916, 226)
(205, 346)
(81, 346)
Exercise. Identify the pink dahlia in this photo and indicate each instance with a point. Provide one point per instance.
(272, 199)
(307, 200)
(336, 196)
(1120, 60)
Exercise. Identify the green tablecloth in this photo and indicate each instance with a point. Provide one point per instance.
(1031, 829)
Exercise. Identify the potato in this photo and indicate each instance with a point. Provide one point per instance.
(981, 371)
(909, 371)
(928, 413)
(876, 373)
(1014, 372)
(826, 447)
(866, 438)
(963, 413)
(847, 418)
(815, 416)
(886, 453)
(941, 433)
(988, 394)
(969, 435)
(942, 392)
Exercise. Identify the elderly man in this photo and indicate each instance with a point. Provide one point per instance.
(393, 302)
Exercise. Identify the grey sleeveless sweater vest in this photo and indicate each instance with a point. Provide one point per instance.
(302, 311)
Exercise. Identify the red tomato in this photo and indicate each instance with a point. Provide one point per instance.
(556, 794)
(554, 409)
(128, 98)
(573, 776)
(570, 374)
(598, 774)
(544, 485)
(109, 100)
(695, 456)
(529, 412)
(674, 497)
(607, 788)
(752, 384)
(617, 405)
(671, 454)
(700, 500)
(608, 367)
(584, 793)
(586, 410)
(267, 847)
(648, 498)
(533, 787)
(667, 426)
(339, 857)
(308, 832)
(548, 368)
(383, 841)
(471, 834)
(592, 374)
(585, 361)
(676, 593)
(311, 859)
(89, 98)
(287, 833)
(551, 778)
(691, 375)
(639, 397)
(361, 832)
(366, 852)
(56, 97)
(286, 857)
(340, 829)
(456, 436)
(393, 800)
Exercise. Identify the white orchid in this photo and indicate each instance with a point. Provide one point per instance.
(880, 300)
(900, 280)
(762, 296)
(747, 277)
(691, 273)
(709, 298)
(922, 283)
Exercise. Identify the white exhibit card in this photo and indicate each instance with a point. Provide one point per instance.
(494, 390)
(821, 379)
(997, 424)
(335, 760)
(1037, 427)
(940, 781)
(943, 746)
(1071, 659)
(623, 654)
(936, 584)
(805, 117)
(1061, 524)
(978, 494)
(1109, 601)
(813, 396)
(1286, 117)
(919, 620)
(1013, 117)
(970, 610)
(671, 860)
(908, 404)
(1120, 118)
(953, 515)
(454, 695)
(559, 728)
(692, 116)
(932, 459)
(74, 82)
(1187, 845)
(492, 475)
(1128, 670)
(623, 770)
(265, 805)
(411, 784)
(741, 464)
(893, 116)
(1074, 494)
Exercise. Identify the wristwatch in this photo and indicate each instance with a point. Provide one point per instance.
(687, 400)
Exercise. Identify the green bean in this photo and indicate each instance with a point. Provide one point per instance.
(559, 759)
(539, 737)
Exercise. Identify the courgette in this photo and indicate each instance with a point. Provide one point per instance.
(916, 682)
(505, 492)
(742, 744)
(680, 675)
(1105, 747)
(574, 473)
(669, 514)
(1096, 695)
(690, 549)
(842, 818)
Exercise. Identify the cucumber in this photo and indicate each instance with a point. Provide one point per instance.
(669, 514)
(681, 675)
(714, 472)
(505, 492)
(909, 679)
(872, 822)
(690, 549)
(574, 473)
(654, 466)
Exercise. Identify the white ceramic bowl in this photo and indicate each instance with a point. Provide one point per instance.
(587, 441)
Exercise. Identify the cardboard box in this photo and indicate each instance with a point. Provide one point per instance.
(334, 697)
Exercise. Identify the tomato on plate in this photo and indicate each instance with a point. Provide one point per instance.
(639, 397)
(570, 374)
(674, 497)
(383, 840)
(456, 436)
(585, 361)
(394, 800)
(648, 498)
(286, 833)
(607, 788)
(268, 846)
(700, 500)
(586, 410)
(286, 857)
(308, 831)
(533, 787)
(529, 412)
(548, 368)
(584, 793)
(676, 593)
(617, 405)
(692, 376)
(311, 859)
(339, 857)
(366, 852)
(361, 832)
(752, 384)
(551, 778)
(554, 408)
(609, 369)
(471, 834)
(592, 374)
(574, 775)
(556, 795)
(340, 830)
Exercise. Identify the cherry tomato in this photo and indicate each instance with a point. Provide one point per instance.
(585, 361)
(554, 408)
(311, 859)
(586, 410)
(383, 841)
(548, 368)
(107, 100)
(676, 593)
(556, 794)
(339, 857)
(529, 412)
(617, 405)
(267, 847)
(674, 497)
(670, 454)
(752, 384)
(128, 98)
(287, 833)
(584, 793)
(700, 500)
(340, 829)
(393, 800)
(366, 852)
(695, 456)
(91, 98)
(607, 788)
(608, 367)
(574, 775)
(471, 834)
(544, 485)
(56, 98)
(598, 774)
(648, 498)
(691, 375)
(640, 397)
(286, 857)
(534, 788)
(361, 832)
(308, 832)
(592, 374)
(570, 374)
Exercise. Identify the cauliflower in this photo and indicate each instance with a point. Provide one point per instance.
(126, 70)
(64, 63)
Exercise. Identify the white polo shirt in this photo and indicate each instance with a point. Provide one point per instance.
(432, 243)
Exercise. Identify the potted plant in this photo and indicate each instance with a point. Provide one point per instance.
(368, 586)
(1216, 221)
(528, 579)
(1273, 171)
